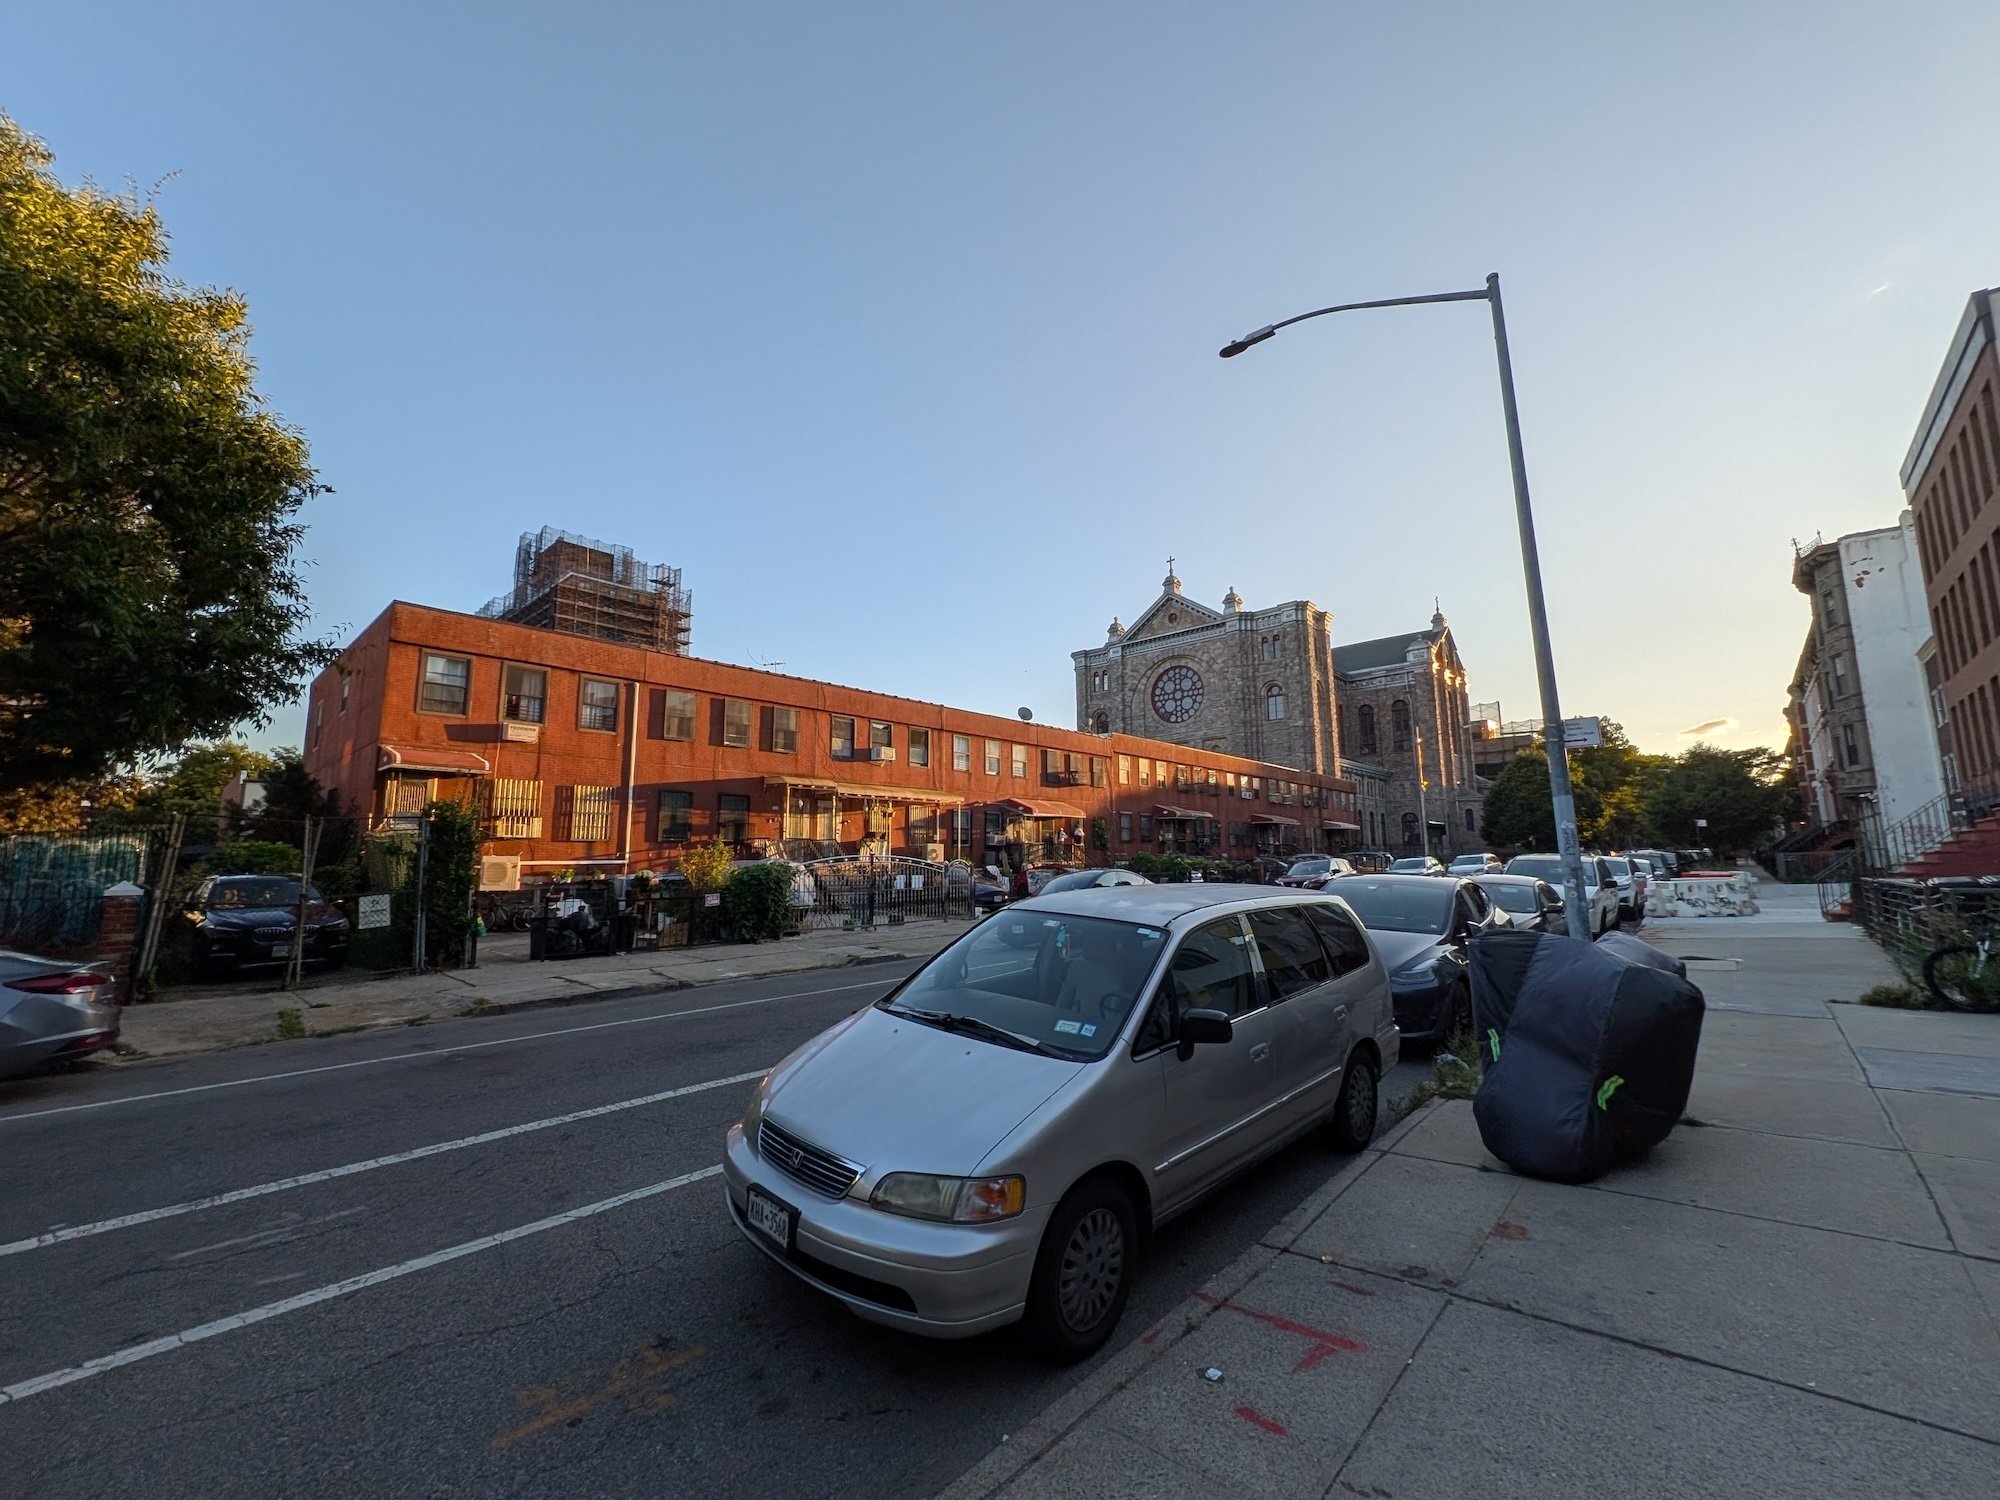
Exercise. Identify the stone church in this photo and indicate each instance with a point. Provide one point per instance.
(1270, 683)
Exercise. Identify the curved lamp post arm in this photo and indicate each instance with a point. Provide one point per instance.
(1231, 350)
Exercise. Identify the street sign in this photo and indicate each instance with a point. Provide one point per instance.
(1582, 734)
(374, 912)
(1701, 822)
(712, 898)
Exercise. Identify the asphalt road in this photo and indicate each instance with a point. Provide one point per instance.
(562, 1307)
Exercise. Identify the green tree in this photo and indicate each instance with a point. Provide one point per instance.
(148, 589)
(451, 871)
(1740, 793)
(1519, 813)
(707, 866)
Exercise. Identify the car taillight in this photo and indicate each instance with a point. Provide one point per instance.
(74, 982)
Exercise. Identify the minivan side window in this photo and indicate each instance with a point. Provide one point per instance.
(1293, 960)
(1211, 970)
(1345, 945)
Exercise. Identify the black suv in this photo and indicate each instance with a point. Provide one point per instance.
(245, 921)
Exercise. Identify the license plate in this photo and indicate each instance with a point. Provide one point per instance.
(281, 950)
(771, 1218)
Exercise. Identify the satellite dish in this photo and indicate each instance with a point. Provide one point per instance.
(1026, 714)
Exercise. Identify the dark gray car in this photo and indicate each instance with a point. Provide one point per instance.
(52, 1010)
(1531, 905)
(1420, 925)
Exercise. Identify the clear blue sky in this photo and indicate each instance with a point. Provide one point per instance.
(895, 325)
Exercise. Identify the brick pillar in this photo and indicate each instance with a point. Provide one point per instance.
(118, 935)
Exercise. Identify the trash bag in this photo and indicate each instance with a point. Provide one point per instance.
(1638, 951)
(1588, 1056)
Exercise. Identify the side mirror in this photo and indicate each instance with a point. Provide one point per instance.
(1202, 1027)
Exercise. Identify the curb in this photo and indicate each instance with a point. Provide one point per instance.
(662, 984)
(1017, 1451)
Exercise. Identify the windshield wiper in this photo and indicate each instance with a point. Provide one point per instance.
(944, 1020)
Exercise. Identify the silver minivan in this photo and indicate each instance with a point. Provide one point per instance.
(994, 1140)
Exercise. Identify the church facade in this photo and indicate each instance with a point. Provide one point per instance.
(1271, 684)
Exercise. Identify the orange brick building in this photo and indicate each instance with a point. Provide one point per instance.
(588, 753)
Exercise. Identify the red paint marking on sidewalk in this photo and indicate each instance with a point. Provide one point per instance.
(1325, 1344)
(1258, 1419)
(1151, 1334)
(1505, 1231)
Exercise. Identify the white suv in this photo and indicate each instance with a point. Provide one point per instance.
(1600, 891)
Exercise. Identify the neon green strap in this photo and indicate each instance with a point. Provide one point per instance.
(1610, 1087)
(1493, 1041)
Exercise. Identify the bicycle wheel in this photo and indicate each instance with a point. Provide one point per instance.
(1962, 978)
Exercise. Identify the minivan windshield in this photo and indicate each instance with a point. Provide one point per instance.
(1040, 981)
(1548, 867)
(1400, 905)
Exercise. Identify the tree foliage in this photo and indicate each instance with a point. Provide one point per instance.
(707, 866)
(1741, 794)
(148, 590)
(451, 871)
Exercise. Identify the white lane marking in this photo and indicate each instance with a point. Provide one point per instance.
(505, 1041)
(307, 1179)
(287, 1228)
(20, 1390)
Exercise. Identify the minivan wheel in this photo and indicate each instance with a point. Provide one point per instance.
(1083, 1272)
(1353, 1122)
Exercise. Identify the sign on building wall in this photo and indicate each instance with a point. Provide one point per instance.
(374, 912)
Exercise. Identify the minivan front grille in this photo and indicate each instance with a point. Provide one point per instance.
(819, 1170)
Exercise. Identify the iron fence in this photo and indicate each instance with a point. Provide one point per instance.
(1910, 918)
(52, 885)
(851, 889)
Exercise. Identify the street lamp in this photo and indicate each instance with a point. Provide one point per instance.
(1560, 794)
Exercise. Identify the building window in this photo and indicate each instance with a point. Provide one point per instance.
(1160, 772)
(672, 714)
(785, 731)
(319, 721)
(1850, 745)
(961, 753)
(992, 757)
(843, 736)
(1124, 770)
(732, 818)
(736, 722)
(345, 684)
(1124, 828)
(1274, 702)
(1145, 771)
(923, 826)
(1409, 830)
(1017, 757)
(1364, 718)
(513, 808)
(597, 704)
(1099, 770)
(676, 817)
(447, 684)
(1839, 674)
(1146, 826)
(1100, 723)
(1399, 724)
(1471, 823)
(1827, 611)
(920, 746)
(583, 813)
(524, 694)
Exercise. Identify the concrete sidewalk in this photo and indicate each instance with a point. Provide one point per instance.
(1800, 1297)
(218, 1016)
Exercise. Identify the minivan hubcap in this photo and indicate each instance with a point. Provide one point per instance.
(1093, 1264)
(1361, 1103)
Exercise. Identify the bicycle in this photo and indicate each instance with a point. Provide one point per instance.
(1965, 975)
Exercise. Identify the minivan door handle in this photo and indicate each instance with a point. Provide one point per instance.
(1340, 1013)
(1259, 1052)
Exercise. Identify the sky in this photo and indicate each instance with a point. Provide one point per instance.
(894, 325)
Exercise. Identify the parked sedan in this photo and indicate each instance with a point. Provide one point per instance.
(1529, 905)
(994, 1140)
(243, 921)
(52, 1010)
(1476, 865)
(1419, 864)
(1600, 894)
(1086, 880)
(1420, 926)
(1311, 871)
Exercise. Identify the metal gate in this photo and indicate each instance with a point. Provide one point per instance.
(878, 891)
(52, 885)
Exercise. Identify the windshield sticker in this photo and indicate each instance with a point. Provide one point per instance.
(1072, 1028)
(1086, 1031)
(1149, 932)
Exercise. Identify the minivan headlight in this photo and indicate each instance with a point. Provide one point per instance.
(951, 1200)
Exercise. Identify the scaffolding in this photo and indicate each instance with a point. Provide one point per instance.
(582, 587)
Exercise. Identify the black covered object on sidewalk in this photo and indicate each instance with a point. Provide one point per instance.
(1588, 1055)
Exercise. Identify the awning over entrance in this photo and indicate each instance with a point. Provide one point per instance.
(436, 761)
(1332, 827)
(1278, 818)
(1167, 811)
(1039, 809)
(859, 790)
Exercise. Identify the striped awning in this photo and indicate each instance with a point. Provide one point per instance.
(1026, 809)
(1166, 810)
(434, 759)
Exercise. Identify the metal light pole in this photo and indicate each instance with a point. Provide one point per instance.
(1560, 793)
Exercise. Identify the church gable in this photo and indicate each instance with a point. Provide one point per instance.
(1171, 612)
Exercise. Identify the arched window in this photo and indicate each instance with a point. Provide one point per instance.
(1410, 839)
(1399, 724)
(1365, 716)
(1274, 702)
(1101, 723)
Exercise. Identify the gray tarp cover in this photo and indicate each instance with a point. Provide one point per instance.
(1588, 1055)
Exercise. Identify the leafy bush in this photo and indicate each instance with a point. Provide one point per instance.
(1901, 996)
(451, 870)
(758, 902)
(707, 866)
